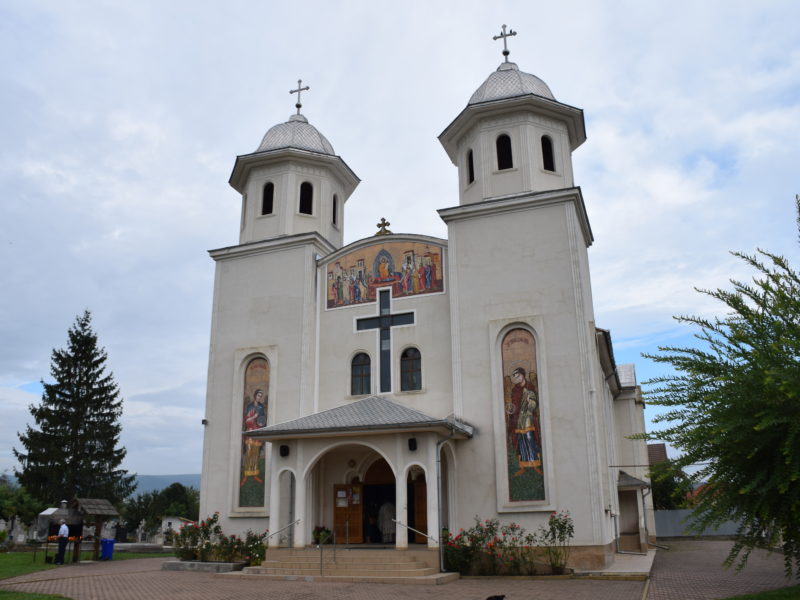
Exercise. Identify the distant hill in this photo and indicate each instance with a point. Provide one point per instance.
(155, 483)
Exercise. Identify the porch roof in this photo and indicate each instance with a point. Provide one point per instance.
(629, 482)
(372, 415)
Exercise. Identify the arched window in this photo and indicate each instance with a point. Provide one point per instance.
(504, 158)
(267, 198)
(410, 370)
(470, 168)
(306, 198)
(548, 161)
(335, 210)
(360, 383)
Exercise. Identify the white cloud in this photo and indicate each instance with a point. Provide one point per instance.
(122, 121)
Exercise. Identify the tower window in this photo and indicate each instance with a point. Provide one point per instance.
(548, 161)
(504, 158)
(410, 370)
(267, 198)
(306, 198)
(335, 210)
(360, 375)
(470, 168)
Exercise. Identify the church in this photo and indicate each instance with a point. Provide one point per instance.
(404, 384)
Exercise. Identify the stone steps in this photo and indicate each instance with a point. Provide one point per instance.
(351, 565)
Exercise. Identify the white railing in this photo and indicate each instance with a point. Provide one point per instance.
(430, 537)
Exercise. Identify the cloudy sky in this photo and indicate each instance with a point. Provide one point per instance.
(121, 121)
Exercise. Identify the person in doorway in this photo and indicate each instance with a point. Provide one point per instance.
(63, 538)
(386, 522)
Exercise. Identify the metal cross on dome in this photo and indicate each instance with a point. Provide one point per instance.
(299, 89)
(505, 35)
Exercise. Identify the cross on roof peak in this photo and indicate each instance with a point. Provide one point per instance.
(505, 35)
(299, 89)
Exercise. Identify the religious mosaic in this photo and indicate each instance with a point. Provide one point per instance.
(523, 430)
(410, 268)
(254, 416)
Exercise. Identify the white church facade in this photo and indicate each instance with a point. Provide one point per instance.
(416, 378)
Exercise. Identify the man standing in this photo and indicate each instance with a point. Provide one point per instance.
(63, 538)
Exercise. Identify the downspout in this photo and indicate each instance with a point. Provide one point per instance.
(646, 531)
(439, 445)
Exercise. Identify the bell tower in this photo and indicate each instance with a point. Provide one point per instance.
(513, 136)
(293, 183)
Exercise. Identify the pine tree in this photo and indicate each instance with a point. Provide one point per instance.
(73, 449)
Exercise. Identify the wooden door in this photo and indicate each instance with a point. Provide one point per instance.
(420, 511)
(348, 513)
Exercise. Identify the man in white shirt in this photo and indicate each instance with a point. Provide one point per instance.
(63, 538)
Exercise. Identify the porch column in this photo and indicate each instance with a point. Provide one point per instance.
(274, 505)
(432, 487)
(301, 485)
(401, 508)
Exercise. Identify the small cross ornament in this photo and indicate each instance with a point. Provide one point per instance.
(299, 89)
(505, 35)
(382, 227)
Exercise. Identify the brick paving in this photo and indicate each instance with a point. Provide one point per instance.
(141, 579)
(692, 570)
(689, 570)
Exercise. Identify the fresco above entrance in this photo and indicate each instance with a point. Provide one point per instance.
(410, 268)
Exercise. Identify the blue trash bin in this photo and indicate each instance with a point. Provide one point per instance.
(106, 549)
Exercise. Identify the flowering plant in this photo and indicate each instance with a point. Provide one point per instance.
(556, 537)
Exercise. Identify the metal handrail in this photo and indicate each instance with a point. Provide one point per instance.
(321, 544)
(281, 529)
(430, 537)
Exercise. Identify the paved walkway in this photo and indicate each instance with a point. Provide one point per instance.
(688, 571)
(691, 570)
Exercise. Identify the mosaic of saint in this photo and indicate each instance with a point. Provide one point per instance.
(521, 403)
(254, 416)
(410, 268)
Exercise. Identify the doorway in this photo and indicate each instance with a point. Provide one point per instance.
(417, 505)
(379, 508)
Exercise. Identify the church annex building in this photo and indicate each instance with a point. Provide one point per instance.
(403, 383)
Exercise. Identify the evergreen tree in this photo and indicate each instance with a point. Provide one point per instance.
(735, 410)
(72, 451)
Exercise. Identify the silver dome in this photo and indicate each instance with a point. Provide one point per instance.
(508, 82)
(296, 133)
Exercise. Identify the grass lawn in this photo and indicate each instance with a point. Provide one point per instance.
(20, 563)
(789, 593)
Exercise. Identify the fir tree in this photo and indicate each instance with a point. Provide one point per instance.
(73, 449)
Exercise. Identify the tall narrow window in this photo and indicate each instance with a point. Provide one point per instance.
(548, 161)
(470, 168)
(267, 198)
(360, 375)
(306, 198)
(410, 370)
(504, 158)
(335, 210)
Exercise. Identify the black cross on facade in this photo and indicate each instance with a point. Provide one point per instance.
(299, 89)
(384, 323)
(505, 35)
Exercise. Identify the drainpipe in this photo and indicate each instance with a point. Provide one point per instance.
(644, 512)
(439, 445)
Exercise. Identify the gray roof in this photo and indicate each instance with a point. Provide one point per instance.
(297, 133)
(508, 82)
(629, 481)
(95, 507)
(627, 375)
(373, 413)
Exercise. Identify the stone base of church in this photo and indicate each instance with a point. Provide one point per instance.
(590, 558)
